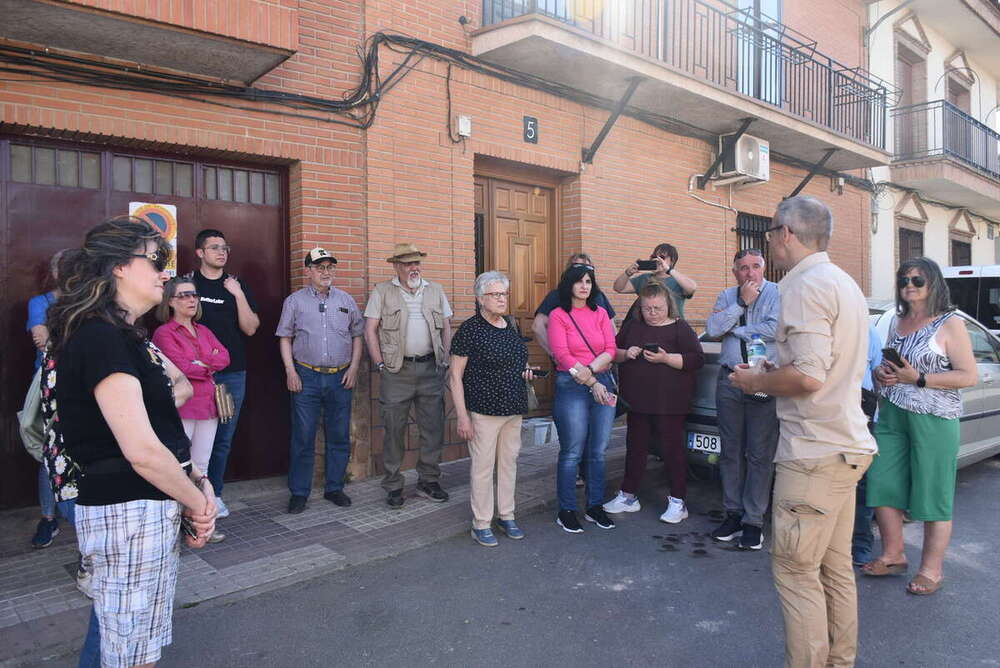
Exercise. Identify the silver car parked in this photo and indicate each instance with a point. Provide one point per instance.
(980, 422)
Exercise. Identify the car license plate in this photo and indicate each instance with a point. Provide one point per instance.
(710, 443)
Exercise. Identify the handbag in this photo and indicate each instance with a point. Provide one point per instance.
(224, 403)
(30, 419)
(621, 406)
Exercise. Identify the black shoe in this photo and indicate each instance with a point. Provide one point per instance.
(597, 515)
(730, 528)
(752, 538)
(432, 492)
(395, 499)
(338, 498)
(568, 521)
(296, 504)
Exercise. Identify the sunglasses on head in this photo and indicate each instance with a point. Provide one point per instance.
(918, 281)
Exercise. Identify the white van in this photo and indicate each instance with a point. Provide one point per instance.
(976, 290)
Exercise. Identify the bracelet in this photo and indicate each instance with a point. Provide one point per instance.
(592, 372)
(197, 483)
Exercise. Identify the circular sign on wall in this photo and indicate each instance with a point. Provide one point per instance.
(162, 217)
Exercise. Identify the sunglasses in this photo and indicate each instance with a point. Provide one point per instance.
(187, 294)
(586, 266)
(918, 281)
(156, 258)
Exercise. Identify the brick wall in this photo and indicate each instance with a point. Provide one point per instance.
(405, 180)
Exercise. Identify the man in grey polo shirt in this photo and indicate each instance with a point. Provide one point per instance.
(320, 334)
(748, 425)
(408, 332)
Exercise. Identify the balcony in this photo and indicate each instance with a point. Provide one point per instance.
(947, 155)
(236, 41)
(701, 63)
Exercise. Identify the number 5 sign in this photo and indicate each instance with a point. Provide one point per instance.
(531, 129)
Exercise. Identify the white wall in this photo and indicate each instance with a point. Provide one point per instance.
(983, 98)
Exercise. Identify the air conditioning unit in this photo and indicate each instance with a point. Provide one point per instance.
(750, 158)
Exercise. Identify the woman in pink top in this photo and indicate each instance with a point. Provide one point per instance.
(583, 343)
(198, 354)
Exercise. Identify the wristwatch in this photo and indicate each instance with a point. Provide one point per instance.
(922, 380)
(380, 366)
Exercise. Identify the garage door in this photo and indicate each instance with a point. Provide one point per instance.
(51, 193)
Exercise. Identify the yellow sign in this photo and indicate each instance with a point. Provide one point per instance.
(162, 217)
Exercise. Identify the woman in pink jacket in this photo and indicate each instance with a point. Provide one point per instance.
(198, 354)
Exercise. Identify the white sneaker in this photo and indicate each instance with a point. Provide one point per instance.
(223, 511)
(623, 504)
(676, 511)
(84, 582)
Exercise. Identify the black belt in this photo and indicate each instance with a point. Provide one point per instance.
(419, 358)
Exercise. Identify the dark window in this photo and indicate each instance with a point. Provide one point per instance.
(961, 253)
(911, 244)
(750, 233)
(240, 185)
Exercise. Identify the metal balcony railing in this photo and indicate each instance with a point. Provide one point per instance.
(730, 48)
(939, 128)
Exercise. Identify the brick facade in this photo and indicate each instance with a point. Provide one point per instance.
(359, 192)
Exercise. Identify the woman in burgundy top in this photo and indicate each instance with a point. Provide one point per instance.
(660, 356)
(198, 354)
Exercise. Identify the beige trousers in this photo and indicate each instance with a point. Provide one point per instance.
(493, 448)
(813, 519)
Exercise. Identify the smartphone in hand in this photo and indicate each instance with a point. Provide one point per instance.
(651, 347)
(538, 373)
(891, 355)
(646, 265)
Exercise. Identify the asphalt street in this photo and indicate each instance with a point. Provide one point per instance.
(645, 594)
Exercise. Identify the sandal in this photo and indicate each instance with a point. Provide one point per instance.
(880, 568)
(921, 585)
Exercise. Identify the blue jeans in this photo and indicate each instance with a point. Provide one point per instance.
(863, 540)
(584, 427)
(326, 391)
(236, 383)
(47, 499)
(90, 654)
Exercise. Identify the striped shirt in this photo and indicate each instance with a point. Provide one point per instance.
(922, 351)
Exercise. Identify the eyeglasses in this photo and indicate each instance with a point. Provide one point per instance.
(324, 268)
(767, 233)
(653, 309)
(187, 294)
(219, 248)
(918, 281)
(158, 261)
(497, 295)
(747, 251)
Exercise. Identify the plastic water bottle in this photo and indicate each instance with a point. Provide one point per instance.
(756, 351)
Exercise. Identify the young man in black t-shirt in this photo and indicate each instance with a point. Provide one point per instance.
(229, 310)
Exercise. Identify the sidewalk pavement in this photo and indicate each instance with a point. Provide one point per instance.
(42, 614)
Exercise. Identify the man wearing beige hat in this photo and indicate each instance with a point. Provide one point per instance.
(319, 336)
(408, 333)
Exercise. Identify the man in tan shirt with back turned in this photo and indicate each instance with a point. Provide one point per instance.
(824, 447)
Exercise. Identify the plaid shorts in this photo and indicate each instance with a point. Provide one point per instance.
(134, 548)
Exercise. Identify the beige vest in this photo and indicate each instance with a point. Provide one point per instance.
(394, 317)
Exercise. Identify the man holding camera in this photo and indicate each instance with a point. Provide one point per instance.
(661, 266)
(748, 424)
(408, 333)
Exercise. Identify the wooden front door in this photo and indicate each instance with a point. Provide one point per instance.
(518, 238)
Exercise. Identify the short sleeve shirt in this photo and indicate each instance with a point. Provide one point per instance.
(321, 326)
(219, 314)
(497, 357)
(38, 307)
(669, 282)
(551, 301)
(95, 351)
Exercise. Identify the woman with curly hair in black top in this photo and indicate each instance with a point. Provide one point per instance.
(117, 407)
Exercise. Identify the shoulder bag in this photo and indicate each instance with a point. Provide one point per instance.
(621, 406)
